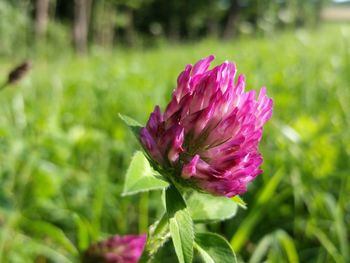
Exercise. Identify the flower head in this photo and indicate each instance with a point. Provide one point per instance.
(210, 130)
(117, 249)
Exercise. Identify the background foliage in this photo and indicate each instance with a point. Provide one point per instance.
(25, 25)
(64, 151)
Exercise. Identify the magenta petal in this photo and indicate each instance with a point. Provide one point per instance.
(150, 145)
(240, 85)
(202, 65)
(176, 147)
(154, 120)
(183, 83)
(172, 107)
(189, 169)
(204, 118)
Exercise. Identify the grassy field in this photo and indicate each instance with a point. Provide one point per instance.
(64, 152)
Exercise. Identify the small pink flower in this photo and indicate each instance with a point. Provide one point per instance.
(117, 249)
(210, 131)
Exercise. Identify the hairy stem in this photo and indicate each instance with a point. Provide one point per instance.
(158, 235)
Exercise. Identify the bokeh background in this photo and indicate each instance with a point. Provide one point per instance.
(64, 151)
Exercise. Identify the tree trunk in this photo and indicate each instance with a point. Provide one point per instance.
(231, 20)
(81, 24)
(129, 28)
(318, 9)
(174, 29)
(41, 18)
(104, 23)
(213, 27)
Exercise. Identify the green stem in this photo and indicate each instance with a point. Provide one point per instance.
(143, 212)
(4, 85)
(158, 235)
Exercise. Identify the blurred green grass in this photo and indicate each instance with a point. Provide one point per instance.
(63, 150)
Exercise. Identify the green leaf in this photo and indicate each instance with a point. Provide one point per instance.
(45, 230)
(239, 201)
(261, 249)
(205, 207)
(141, 177)
(288, 245)
(278, 239)
(263, 199)
(133, 125)
(180, 225)
(82, 232)
(214, 248)
(326, 242)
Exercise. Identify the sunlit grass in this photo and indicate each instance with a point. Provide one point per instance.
(64, 151)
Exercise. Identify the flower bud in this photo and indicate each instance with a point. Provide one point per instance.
(117, 249)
